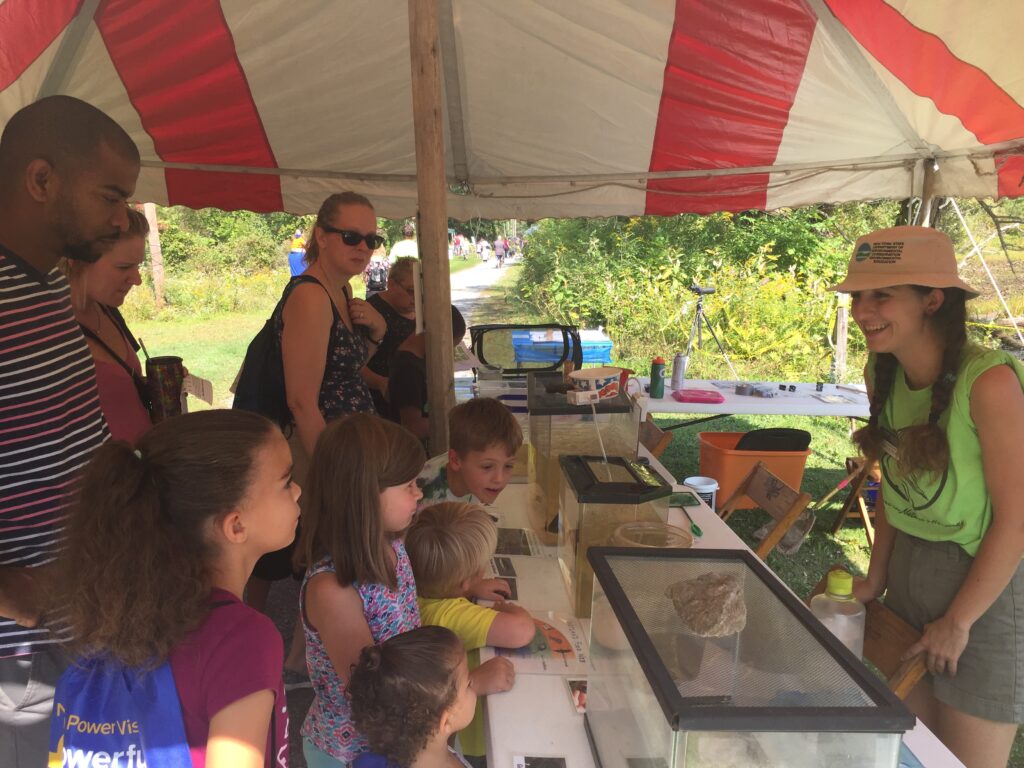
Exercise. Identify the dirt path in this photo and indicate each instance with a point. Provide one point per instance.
(475, 294)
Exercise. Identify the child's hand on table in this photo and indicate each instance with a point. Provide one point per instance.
(493, 676)
(490, 589)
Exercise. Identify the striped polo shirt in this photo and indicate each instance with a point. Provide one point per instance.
(50, 422)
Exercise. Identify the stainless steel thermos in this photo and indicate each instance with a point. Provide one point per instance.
(679, 370)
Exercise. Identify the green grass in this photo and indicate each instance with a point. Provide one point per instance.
(458, 264)
(211, 348)
(830, 445)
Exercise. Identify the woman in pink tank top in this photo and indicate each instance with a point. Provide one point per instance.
(97, 290)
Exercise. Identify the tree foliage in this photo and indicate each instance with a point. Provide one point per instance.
(770, 270)
(212, 241)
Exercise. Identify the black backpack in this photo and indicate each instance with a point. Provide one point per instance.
(378, 277)
(260, 386)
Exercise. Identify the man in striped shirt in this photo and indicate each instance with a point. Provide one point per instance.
(66, 173)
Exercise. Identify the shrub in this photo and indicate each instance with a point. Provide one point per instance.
(201, 294)
(631, 276)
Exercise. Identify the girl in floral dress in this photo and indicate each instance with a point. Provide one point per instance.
(359, 588)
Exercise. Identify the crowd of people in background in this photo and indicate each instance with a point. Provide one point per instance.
(140, 548)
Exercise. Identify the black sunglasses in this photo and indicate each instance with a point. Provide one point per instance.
(351, 237)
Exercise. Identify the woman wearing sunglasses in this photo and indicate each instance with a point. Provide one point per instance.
(326, 337)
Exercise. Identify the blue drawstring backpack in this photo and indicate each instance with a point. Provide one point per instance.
(107, 714)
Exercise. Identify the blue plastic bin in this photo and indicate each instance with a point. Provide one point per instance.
(527, 350)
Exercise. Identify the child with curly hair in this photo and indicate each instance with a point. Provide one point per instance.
(409, 695)
(449, 546)
(157, 552)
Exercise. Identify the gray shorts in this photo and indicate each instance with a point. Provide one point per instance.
(924, 577)
(26, 700)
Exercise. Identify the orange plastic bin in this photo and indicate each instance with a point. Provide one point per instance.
(720, 460)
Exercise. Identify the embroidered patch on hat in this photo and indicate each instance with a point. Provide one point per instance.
(882, 252)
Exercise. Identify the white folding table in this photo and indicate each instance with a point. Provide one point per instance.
(843, 400)
(536, 718)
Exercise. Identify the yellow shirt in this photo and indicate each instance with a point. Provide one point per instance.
(471, 622)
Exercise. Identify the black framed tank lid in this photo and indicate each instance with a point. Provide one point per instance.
(617, 481)
(545, 396)
(798, 676)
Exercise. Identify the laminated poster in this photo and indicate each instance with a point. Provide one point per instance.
(559, 647)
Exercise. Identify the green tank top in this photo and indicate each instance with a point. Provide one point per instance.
(955, 505)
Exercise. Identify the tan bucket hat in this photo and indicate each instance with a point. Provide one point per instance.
(903, 256)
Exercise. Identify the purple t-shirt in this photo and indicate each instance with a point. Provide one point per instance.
(236, 652)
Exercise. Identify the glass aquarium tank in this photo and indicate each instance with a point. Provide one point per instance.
(599, 498)
(704, 658)
(558, 428)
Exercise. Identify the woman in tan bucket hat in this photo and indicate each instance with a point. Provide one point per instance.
(947, 418)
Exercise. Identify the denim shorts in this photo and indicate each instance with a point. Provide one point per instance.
(924, 577)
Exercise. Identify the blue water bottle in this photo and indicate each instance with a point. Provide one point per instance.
(657, 389)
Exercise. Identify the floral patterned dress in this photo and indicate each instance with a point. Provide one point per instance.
(388, 612)
(342, 390)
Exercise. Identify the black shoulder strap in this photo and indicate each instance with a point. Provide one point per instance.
(115, 315)
(89, 332)
(308, 279)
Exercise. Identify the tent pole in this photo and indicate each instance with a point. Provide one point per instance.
(928, 201)
(69, 51)
(424, 46)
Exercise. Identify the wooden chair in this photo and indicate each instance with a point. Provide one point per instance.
(886, 638)
(855, 504)
(772, 495)
(654, 438)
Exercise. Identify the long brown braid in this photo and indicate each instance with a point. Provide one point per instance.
(922, 448)
(869, 438)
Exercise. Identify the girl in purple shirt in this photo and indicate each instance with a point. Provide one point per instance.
(158, 550)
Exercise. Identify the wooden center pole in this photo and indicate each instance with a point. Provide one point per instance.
(431, 183)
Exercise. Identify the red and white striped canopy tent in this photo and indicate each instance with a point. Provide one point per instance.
(551, 107)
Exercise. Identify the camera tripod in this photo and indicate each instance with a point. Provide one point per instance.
(701, 321)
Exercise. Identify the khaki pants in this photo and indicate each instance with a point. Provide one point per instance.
(26, 701)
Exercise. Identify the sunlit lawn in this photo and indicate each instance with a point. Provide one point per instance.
(212, 348)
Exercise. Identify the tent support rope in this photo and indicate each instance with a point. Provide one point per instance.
(991, 277)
